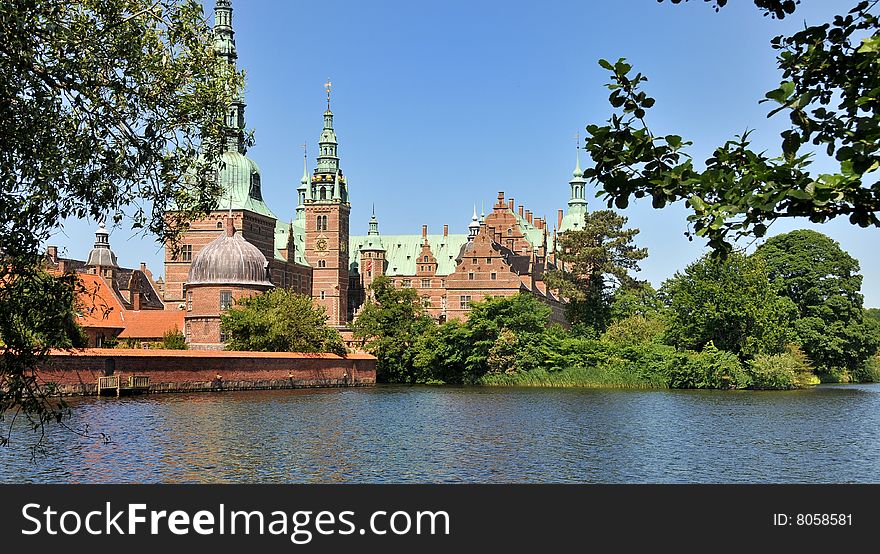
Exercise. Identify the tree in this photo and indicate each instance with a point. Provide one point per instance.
(594, 261)
(108, 106)
(729, 303)
(174, 339)
(280, 320)
(740, 192)
(390, 324)
(824, 283)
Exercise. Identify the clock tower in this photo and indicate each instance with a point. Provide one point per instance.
(327, 212)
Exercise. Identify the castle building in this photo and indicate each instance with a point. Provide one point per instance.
(115, 303)
(503, 253)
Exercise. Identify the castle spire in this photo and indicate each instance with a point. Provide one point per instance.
(577, 202)
(374, 223)
(328, 160)
(474, 226)
(224, 44)
(302, 192)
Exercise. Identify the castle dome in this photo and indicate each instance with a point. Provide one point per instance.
(229, 260)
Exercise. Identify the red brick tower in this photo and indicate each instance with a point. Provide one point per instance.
(327, 213)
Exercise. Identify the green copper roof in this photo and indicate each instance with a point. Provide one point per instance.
(299, 239)
(534, 235)
(241, 182)
(402, 251)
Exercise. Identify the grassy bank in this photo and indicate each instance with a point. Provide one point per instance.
(569, 378)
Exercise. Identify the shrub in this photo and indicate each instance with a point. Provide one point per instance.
(709, 369)
(636, 329)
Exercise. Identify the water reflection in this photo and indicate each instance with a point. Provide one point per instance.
(422, 434)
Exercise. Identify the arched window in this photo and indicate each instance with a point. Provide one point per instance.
(219, 224)
(509, 232)
(426, 259)
(323, 193)
(255, 192)
(322, 263)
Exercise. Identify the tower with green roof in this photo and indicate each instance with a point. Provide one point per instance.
(326, 213)
(577, 203)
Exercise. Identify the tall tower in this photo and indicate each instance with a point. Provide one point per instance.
(327, 213)
(372, 262)
(224, 44)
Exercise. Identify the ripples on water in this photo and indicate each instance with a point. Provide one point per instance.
(424, 434)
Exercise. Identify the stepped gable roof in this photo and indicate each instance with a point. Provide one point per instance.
(402, 251)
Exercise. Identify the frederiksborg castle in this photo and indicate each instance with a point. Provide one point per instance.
(243, 248)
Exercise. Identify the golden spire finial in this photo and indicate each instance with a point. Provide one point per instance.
(328, 85)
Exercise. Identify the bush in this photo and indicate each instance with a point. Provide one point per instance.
(636, 329)
(709, 369)
(173, 339)
(788, 370)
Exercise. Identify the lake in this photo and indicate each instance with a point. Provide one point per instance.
(440, 434)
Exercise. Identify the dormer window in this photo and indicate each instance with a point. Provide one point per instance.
(255, 192)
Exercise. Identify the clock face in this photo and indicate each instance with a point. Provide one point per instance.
(321, 244)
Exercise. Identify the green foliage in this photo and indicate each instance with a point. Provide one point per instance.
(774, 8)
(729, 303)
(391, 323)
(107, 106)
(637, 299)
(709, 369)
(787, 370)
(830, 79)
(637, 329)
(824, 283)
(173, 339)
(594, 261)
(280, 320)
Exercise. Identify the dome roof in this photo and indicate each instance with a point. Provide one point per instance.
(101, 255)
(242, 184)
(229, 260)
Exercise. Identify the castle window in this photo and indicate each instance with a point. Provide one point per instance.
(407, 283)
(322, 295)
(219, 224)
(426, 283)
(464, 302)
(426, 259)
(369, 273)
(222, 335)
(186, 252)
(322, 263)
(488, 260)
(255, 192)
(426, 301)
(442, 283)
(471, 276)
(493, 276)
(473, 261)
(189, 301)
(509, 232)
(323, 193)
(225, 300)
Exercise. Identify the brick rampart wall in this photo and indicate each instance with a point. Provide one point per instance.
(77, 372)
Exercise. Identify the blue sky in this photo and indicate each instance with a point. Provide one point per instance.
(439, 105)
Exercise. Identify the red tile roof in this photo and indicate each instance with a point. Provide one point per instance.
(97, 305)
(151, 324)
(143, 353)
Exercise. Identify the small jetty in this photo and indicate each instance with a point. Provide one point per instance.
(114, 385)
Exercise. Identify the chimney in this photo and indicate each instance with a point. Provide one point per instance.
(143, 267)
(134, 292)
(539, 223)
(446, 230)
(521, 210)
(230, 226)
(559, 219)
(62, 266)
(529, 216)
(501, 198)
(510, 204)
(52, 252)
(424, 231)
